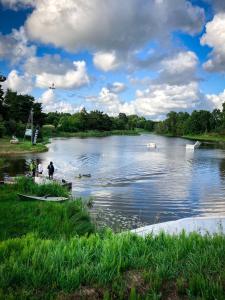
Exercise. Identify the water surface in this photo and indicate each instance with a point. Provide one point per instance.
(133, 185)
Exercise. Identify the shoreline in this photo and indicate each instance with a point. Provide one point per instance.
(215, 138)
(7, 149)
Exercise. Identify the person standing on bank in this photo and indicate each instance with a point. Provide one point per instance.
(40, 169)
(33, 168)
(51, 170)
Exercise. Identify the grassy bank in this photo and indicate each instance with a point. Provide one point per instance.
(47, 220)
(23, 147)
(51, 251)
(210, 137)
(90, 133)
(113, 267)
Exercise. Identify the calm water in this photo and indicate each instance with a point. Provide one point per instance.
(133, 185)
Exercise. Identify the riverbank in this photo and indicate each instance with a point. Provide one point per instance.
(52, 251)
(23, 147)
(207, 137)
(91, 133)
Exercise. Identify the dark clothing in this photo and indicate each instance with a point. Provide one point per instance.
(51, 170)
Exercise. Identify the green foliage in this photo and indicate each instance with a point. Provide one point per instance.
(198, 122)
(15, 110)
(98, 121)
(47, 220)
(124, 266)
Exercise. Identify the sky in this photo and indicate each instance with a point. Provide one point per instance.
(145, 57)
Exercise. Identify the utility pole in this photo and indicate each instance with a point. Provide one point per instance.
(32, 125)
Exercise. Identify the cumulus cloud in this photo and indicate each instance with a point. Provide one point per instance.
(216, 100)
(19, 83)
(105, 25)
(218, 5)
(215, 38)
(106, 61)
(52, 64)
(16, 4)
(179, 69)
(117, 87)
(154, 102)
(51, 103)
(73, 78)
(15, 46)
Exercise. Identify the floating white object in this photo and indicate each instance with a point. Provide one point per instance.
(193, 147)
(14, 140)
(202, 225)
(151, 145)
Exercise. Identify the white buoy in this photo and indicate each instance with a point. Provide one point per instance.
(151, 145)
(193, 147)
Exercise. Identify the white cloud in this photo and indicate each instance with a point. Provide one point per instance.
(215, 38)
(15, 4)
(216, 100)
(52, 103)
(71, 79)
(15, 46)
(179, 69)
(106, 61)
(117, 87)
(158, 100)
(107, 25)
(154, 102)
(52, 64)
(19, 83)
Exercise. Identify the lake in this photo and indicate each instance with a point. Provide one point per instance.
(132, 185)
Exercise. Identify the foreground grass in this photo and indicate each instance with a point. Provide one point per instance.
(113, 267)
(211, 137)
(23, 147)
(47, 220)
(50, 251)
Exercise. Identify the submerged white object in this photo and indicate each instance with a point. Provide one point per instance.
(202, 225)
(195, 146)
(151, 145)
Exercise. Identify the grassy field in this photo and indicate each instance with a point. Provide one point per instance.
(47, 220)
(52, 251)
(211, 137)
(113, 267)
(23, 147)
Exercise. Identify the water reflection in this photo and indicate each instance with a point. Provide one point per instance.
(133, 185)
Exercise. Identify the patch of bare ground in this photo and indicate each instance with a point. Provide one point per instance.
(170, 292)
(84, 293)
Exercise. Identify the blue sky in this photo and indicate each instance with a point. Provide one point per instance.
(140, 56)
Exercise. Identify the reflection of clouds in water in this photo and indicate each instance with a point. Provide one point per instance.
(129, 180)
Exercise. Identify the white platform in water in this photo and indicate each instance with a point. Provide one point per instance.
(202, 225)
(151, 145)
(194, 146)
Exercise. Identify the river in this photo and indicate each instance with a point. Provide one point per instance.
(132, 185)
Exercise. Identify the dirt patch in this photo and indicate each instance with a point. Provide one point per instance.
(170, 292)
(85, 293)
(134, 279)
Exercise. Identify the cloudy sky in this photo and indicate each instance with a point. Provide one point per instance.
(135, 56)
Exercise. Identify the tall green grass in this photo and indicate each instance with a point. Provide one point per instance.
(26, 185)
(47, 220)
(114, 267)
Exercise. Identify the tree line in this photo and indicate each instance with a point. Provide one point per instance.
(198, 122)
(15, 110)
